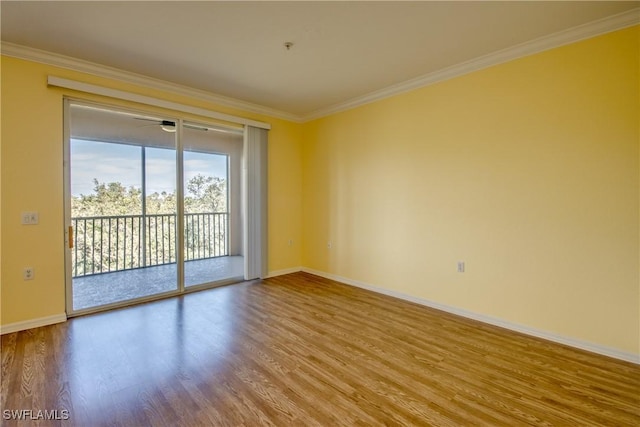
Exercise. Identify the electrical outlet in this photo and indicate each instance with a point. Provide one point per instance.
(290, 242)
(28, 273)
(460, 266)
(329, 244)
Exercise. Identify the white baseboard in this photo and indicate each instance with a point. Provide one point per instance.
(572, 342)
(284, 271)
(33, 323)
(59, 318)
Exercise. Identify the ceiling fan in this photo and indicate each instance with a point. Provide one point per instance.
(170, 126)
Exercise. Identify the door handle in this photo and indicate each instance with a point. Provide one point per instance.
(71, 237)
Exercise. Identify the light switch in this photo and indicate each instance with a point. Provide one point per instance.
(30, 218)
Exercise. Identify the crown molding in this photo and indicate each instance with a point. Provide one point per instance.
(148, 100)
(561, 38)
(571, 35)
(67, 62)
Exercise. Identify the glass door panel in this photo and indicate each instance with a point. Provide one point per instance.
(122, 206)
(211, 194)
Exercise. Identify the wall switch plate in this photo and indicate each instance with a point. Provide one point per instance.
(460, 266)
(30, 218)
(28, 273)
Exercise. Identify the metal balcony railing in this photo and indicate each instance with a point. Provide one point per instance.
(103, 244)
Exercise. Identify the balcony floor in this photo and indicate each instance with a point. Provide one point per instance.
(118, 286)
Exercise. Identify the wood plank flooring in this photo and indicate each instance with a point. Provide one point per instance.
(305, 351)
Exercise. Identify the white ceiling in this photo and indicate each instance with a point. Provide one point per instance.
(341, 51)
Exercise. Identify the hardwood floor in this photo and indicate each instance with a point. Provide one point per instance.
(305, 351)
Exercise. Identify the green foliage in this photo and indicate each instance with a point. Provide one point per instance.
(161, 203)
(108, 199)
(203, 194)
(111, 244)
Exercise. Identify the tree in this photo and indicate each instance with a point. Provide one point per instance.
(206, 194)
(161, 203)
(108, 199)
(106, 244)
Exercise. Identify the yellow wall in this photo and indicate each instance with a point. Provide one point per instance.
(32, 179)
(527, 171)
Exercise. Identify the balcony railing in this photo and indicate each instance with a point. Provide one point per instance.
(113, 243)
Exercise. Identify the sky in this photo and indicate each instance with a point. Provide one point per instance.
(108, 162)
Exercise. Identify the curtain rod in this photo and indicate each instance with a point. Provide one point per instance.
(148, 100)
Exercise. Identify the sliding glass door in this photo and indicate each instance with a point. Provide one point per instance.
(122, 207)
(211, 181)
(154, 206)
